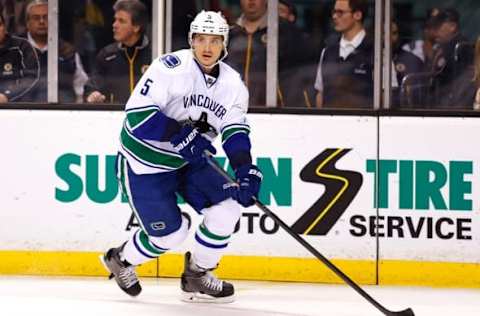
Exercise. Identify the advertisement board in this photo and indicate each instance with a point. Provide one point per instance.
(364, 191)
(429, 183)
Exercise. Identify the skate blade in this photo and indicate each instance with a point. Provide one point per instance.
(195, 297)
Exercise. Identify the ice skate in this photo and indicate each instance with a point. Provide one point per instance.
(123, 272)
(200, 285)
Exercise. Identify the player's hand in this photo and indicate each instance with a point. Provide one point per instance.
(191, 144)
(249, 178)
(95, 97)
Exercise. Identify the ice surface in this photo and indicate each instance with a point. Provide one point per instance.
(27, 296)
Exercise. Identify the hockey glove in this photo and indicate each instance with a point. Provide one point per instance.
(191, 144)
(248, 178)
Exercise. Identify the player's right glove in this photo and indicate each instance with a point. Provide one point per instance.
(191, 144)
(249, 178)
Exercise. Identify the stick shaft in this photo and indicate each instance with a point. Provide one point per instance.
(309, 247)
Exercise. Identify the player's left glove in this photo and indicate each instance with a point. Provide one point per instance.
(191, 144)
(249, 178)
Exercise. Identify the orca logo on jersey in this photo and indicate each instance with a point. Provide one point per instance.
(171, 61)
(205, 102)
(341, 187)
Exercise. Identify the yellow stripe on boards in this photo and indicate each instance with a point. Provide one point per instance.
(391, 272)
(295, 269)
(276, 269)
(60, 263)
(439, 274)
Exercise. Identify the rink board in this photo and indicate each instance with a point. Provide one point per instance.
(411, 180)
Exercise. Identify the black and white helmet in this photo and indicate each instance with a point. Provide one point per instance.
(211, 23)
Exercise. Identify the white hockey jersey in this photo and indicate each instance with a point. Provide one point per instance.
(175, 85)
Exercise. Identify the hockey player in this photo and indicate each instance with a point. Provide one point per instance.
(183, 101)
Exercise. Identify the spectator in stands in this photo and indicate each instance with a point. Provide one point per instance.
(248, 53)
(19, 66)
(295, 83)
(345, 71)
(476, 78)
(405, 62)
(121, 64)
(466, 94)
(13, 12)
(423, 48)
(447, 35)
(71, 76)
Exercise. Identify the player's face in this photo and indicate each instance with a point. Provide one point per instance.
(37, 21)
(342, 15)
(207, 48)
(123, 29)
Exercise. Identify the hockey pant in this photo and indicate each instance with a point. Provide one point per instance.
(153, 199)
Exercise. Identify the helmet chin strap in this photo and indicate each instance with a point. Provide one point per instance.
(213, 65)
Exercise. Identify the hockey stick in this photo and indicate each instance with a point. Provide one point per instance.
(311, 249)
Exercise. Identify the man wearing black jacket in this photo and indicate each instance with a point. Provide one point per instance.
(345, 72)
(71, 76)
(450, 70)
(19, 66)
(247, 52)
(121, 64)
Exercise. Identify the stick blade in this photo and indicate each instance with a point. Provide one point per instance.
(406, 312)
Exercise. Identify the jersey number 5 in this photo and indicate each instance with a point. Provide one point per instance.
(146, 86)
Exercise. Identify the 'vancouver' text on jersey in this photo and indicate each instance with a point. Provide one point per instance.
(206, 102)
